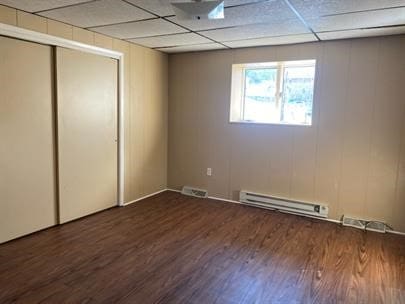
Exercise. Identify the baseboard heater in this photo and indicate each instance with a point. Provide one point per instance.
(290, 206)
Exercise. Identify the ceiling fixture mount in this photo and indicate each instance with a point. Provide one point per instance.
(199, 9)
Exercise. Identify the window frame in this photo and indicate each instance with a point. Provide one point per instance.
(238, 93)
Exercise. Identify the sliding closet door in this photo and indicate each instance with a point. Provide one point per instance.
(27, 176)
(87, 133)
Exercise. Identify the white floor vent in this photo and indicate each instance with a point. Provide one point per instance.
(194, 192)
(351, 222)
(376, 226)
(275, 203)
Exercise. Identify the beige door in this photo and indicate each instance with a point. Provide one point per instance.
(27, 172)
(87, 133)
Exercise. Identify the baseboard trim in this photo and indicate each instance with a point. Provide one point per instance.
(225, 200)
(396, 232)
(143, 197)
(239, 203)
(309, 216)
(173, 190)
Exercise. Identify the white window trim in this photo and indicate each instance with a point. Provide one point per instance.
(32, 36)
(280, 66)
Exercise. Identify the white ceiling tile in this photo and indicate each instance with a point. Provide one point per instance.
(256, 31)
(140, 29)
(158, 7)
(358, 33)
(367, 19)
(171, 40)
(317, 8)
(193, 48)
(39, 5)
(272, 11)
(163, 7)
(98, 13)
(240, 2)
(290, 39)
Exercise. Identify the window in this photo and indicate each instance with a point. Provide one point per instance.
(273, 92)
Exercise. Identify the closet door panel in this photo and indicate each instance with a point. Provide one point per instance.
(87, 133)
(27, 172)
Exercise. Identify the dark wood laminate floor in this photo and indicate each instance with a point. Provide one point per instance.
(176, 249)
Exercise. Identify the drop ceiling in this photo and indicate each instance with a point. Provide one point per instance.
(152, 23)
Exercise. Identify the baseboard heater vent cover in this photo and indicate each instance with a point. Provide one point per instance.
(194, 192)
(364, 224)
(275, 203)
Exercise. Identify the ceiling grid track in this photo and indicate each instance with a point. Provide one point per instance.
(247, 23)
(301, 19)
(62, 7)
(364, 11)
(183, 27)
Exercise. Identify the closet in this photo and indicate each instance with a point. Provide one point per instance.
(87, 133)
(27, 159)
(58, 131)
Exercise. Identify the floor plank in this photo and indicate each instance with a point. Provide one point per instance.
(175, 249)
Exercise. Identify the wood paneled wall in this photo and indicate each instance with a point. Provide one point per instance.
(146, 97)
(353, 156)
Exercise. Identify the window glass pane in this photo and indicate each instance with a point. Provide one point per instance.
(273, 92)
(260, 92)
(298, 91)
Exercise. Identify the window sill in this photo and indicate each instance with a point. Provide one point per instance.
(268, 123)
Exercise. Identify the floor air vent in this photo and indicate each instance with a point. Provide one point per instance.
(270, 202)
(194, 192)
(364, 225)
(376, 226)
(351, 222)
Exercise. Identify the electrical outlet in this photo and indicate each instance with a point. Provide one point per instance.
(209, 171)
